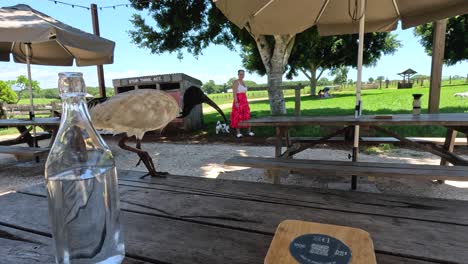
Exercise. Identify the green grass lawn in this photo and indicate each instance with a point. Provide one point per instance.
(377, 101)
(226, 98)
(25, 101)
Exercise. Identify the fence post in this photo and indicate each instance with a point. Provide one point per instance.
(54, 108)
(297, 98)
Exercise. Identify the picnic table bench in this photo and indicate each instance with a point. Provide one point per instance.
(453, 122)
(197, 220)
(348, 168)
(24, 126)
(371, 140)
(23, 150)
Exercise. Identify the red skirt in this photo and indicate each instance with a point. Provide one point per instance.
(240, 113)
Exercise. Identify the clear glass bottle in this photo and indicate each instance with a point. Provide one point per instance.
(82, 185)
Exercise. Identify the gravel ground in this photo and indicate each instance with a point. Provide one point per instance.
(206, 160)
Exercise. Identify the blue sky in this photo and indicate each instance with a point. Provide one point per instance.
(217, 62)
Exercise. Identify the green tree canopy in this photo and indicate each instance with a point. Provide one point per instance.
(50, 93)
(313, 54)
(21, 83)
(193, 25)
(323, 81)
(456, 39)
(7, 95)
(209, 87)
(341, 74)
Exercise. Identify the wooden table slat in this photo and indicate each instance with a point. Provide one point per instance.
(345, 168)
(437, 210)
(390, 234)
(445, 119)
(367, 203)
(22, 247)
(50, 121)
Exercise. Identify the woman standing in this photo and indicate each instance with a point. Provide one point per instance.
(240, 105)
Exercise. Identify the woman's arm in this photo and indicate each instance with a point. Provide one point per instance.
(234, 92)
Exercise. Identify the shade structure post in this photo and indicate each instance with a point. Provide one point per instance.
(438, 47)
(100, 68)
(27, 47)
(358, 108)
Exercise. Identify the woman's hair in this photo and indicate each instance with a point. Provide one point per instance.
(239, 71)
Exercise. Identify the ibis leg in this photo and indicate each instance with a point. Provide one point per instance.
(145, 158)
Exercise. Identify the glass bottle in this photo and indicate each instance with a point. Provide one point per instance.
(81, 180)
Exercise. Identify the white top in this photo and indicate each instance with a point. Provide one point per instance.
(241, 88)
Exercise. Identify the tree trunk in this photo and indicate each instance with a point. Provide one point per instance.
(18, 96)
(275, 59)
(275, 94)
(313, 81)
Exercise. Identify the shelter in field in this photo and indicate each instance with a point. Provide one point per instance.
(406, 83)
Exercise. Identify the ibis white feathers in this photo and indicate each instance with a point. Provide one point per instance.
(135, 112)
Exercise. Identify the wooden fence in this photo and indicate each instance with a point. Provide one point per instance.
(15, 110)
(297, 95)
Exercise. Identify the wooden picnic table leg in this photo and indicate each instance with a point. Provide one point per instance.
(53, 130)
(449, 156)
(279, 142)
(288, 139)
(281, 132)
(30, 140)
(449, 143)
(448, 146)
(355, 156)
(26, 135)
(275, 174)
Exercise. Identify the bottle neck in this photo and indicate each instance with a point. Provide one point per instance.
(74, 105)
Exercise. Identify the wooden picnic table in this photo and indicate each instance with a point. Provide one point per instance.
(195, 220)
(24, 127)
(450, 119)
(49, 124)
(454, 122)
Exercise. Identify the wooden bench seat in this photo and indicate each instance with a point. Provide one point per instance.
(375, 140)
(17, 150)
(20, 140)
(348, 168)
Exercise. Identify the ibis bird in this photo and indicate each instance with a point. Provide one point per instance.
(194, 96)
(134, 113)
(138, 111)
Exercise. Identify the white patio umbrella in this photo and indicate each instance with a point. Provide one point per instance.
(35, 38)
(335, 17)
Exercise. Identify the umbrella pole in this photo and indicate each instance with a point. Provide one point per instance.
(358, 109)
(28, 62)
(31, 109)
